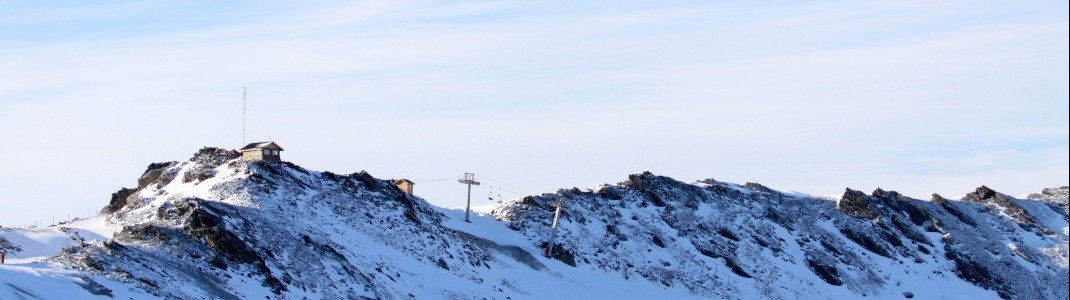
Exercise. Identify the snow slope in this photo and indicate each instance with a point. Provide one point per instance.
(215, 227)
(44, 242)
(26, 275)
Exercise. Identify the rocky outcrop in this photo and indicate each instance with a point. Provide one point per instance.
(154, 174)
(158, 175)
(206, 160)
(748, 236)
(1000, 203)
(1055, 197)
(855, 203)
(118, 200)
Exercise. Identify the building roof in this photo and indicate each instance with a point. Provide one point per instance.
(260, 145)
(402, 180)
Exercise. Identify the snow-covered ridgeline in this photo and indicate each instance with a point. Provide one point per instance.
(217, 227)
(726, 240)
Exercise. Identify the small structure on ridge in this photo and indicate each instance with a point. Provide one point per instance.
(262, 151)
(405, 185)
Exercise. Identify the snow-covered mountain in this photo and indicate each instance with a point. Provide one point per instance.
(727, 241)
(1054, 196)
(217, 227)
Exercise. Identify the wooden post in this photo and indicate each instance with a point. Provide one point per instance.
(553, 228)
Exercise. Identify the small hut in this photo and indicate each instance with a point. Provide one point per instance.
(261, 151)
(405, 185)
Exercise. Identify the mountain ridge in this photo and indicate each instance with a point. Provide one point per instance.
(218, 227)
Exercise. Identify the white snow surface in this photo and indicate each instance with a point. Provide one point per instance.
(44, 242)
(25, 275)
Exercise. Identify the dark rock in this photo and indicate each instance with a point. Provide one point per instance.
(890, 238)
(652, 187)
(213, 156)
(917, 215)
(909, 231)
(728, 262)
(832, 249)
(610, 193)
(760, 188)
(442, 264)
(891, 199)
(411, 216)
(94, 287)
(780, 219)
(951, 209)
(657, 241)
(982, 192)
(277, 287)
(198, 175)
(827, 273)
(560, 253)
(938, 199)
(218, 262)
(760, 242)
(144, 233)
(207, 224)
(369, 181)
(864, 241)
(731, 264)
(118, 200)
(612, 229)
(856, 204)
(974, 272)
(986, 195)
(153, 173)
(727, 234)
(206, 160)
(1058, 198)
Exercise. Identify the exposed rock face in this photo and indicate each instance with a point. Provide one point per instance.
(205, 161)
(161, 174)
(153, 174)
(855, 203)
(118, 200)
(999, 203)
(752, 238)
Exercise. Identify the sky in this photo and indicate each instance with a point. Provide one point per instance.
(919, 97)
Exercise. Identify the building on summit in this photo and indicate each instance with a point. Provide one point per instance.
(261, 151)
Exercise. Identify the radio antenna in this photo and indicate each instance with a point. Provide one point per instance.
(243, 101)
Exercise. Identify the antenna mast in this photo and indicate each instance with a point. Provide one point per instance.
(243, 96)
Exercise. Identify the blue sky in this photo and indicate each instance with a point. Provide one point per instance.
(914, 96)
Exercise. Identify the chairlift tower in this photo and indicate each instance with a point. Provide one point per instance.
(560, 203)
(469, 179)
